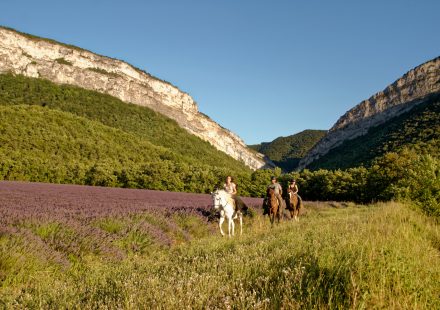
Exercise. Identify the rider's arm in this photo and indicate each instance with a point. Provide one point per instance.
(234, 189)
(295, 189)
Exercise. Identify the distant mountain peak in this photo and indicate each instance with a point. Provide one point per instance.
(399, 97)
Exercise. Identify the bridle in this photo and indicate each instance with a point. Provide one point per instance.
(218, 201)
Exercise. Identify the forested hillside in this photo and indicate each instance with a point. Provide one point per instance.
(65, 134)
(140, 121)
(418, 128)
(286, 152)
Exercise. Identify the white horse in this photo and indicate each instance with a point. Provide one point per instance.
(224, 202)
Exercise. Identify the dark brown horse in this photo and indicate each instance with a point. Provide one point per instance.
(295, 204)
(273, 206)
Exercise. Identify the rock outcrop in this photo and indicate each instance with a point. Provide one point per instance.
(64, 64)
(411, 89)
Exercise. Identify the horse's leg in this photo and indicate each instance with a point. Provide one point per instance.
(241, 224)
(220, 223)
(280, 211)
(232, 226)
(297, 206)
(233, 222)
(292, 212)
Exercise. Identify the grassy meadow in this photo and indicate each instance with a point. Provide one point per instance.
(336, 256)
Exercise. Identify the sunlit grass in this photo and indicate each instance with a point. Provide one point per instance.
(382, 256)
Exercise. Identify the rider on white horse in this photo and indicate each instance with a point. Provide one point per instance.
(224, 202)
(231, 188)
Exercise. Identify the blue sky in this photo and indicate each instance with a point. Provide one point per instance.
(262, 69)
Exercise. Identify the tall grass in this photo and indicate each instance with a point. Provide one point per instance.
(382, 256)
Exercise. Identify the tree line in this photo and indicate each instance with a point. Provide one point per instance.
(63, 134)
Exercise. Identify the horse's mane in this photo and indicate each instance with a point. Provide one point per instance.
(227, 196)
(270, 191)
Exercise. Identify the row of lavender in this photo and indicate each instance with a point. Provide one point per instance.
(61, 221)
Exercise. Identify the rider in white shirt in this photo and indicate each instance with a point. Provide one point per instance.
(231, 188)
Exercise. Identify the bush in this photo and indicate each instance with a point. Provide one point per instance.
(403, 176)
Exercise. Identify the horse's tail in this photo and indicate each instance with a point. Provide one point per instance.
(240, 204)
(244, 206)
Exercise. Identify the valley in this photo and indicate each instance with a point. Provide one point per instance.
(105, 180)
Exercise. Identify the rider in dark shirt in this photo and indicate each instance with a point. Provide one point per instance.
(294, 188)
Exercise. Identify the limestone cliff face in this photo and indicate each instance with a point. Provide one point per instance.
(397, 98)
(64, 64)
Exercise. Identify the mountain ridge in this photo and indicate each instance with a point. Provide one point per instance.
(411, 89)
(65, 64)
(418, 128)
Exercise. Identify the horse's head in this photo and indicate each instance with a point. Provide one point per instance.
(218, 199)
(270, 191)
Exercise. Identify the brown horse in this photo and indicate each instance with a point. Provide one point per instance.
(295, 204)
(273, 206)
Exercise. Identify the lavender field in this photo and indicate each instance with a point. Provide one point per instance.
(21, 200)
(66, 220)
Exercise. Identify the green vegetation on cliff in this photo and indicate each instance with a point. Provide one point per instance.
(418, 128)
(286, 152)
(110, 111)
(65, 134)
(100, 137)
(44, 145)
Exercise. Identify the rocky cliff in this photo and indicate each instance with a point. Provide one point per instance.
(399, 97)
(64, 64)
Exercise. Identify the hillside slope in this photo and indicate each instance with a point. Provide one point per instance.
(145, 124)
(411, 89)
(286, 152)
(44, 145)
(65, 64)
(418, 128)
